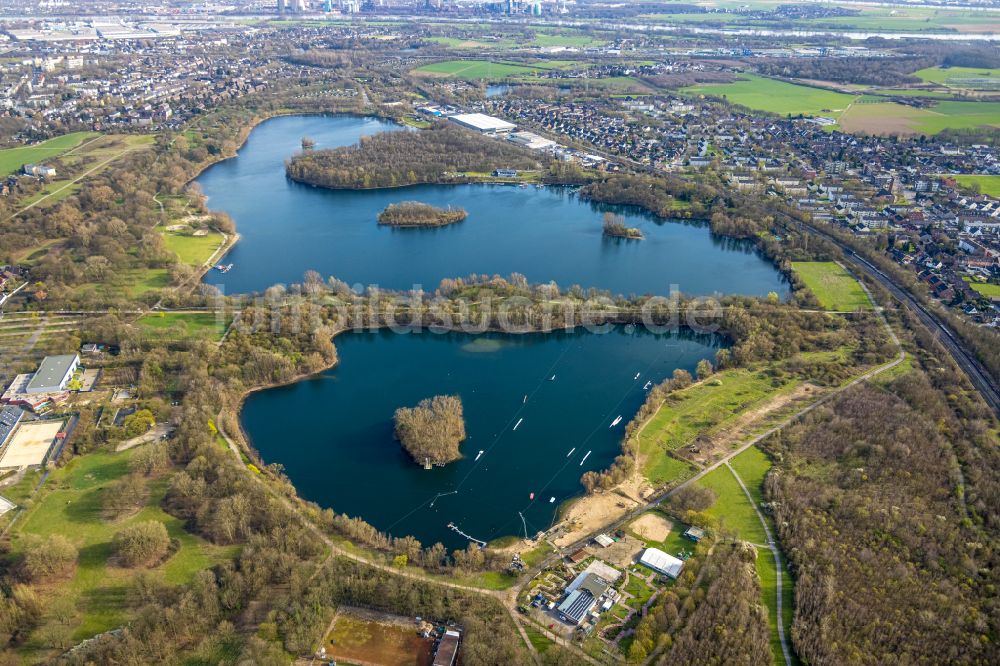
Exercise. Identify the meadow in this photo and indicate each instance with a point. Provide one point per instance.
(833, 286)
(989, 185)
(70, 504)
(184, 325)
(11, 159)
(190, 249)
(700, 409)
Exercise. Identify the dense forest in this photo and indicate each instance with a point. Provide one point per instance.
(432, 431)
(441, 154)
(893, 548)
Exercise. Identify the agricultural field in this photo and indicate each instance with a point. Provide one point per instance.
(833, 286)
(893, 118)
(477, 70)
(773, 96)
(989, 185)
(96, 597)
(11, 159)
(184, 325)
(473, 70)
(962, 78)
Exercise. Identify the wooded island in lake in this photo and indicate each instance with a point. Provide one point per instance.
(419, 214)
(432, 431)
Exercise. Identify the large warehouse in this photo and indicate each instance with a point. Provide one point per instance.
(483, 123)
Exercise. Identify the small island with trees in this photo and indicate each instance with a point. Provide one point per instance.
(418, 214)
(615, 227)
(432, 431)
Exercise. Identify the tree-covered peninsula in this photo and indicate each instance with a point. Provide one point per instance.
(419, 214)
(432, 431)
(444, 153)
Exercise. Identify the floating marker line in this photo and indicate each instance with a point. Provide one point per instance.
(439, 495)
(454, 528)
(585, 459)
(518, 423)
(571, 452)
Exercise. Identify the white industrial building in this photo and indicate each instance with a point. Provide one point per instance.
(483, 123)
(658, 561)
(53, 374)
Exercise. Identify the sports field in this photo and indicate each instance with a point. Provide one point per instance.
(773, 96)
(834, 287)
(12, 159)
(30, 444)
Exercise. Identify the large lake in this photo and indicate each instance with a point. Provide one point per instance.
(544, 233)
(334, 432)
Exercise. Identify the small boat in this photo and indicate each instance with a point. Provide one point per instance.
(571, 452)
(585, 459)
(518, 423)
(223, 268)
(551, 500)
(637, 375)
(552, 378)
(531, 496)
(479, 455)
(615, 422)
(646, 387)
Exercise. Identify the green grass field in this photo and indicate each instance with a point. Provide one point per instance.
(989, 185)
(699, 409)
(192, 250)
(752, 465)
(473, 70)
(184, 325)
(70, 504)
(965, 78)
(834, 287)
(11, 159)
(764, 94)
(732, 510)
(988, 290)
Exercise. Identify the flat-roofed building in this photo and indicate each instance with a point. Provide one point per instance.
(10, 416)
(53, 374)
(658, 561)
(447, 650)
(483, 123)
